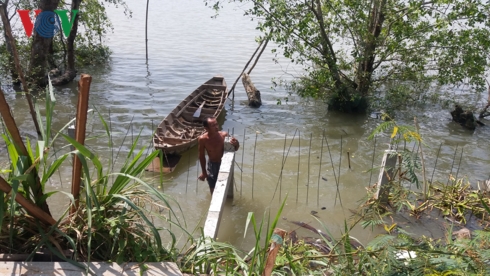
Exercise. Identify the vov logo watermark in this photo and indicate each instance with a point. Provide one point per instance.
(47, 23)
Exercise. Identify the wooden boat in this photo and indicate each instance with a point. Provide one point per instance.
(179, 131)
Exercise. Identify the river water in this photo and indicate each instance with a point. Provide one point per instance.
(186, 48)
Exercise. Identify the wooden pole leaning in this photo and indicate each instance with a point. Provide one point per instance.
(31, 208)
(81, 121)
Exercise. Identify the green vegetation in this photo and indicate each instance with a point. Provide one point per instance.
(38, 56)
(114, 221)
(357, 53)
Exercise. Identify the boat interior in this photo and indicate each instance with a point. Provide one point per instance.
(180, 126)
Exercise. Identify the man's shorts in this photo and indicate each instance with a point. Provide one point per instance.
(213, 170)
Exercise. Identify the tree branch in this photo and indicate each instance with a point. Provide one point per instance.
(305, 40)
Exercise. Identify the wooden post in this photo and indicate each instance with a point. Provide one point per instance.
(252, 93)
(386, 174)
(8, 32)
(276, 242)
(81, 121)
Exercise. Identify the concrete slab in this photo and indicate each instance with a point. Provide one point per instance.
(386, 174)
(67, 269)
(221, 192)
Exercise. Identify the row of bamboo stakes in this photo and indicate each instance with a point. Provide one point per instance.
(335, 166)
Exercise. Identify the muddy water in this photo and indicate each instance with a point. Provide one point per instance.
(187, 47)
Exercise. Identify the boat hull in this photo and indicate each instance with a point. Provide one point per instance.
(179, 131)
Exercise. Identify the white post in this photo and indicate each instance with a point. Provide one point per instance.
(386, 175)
(71, 133)
(222, 190)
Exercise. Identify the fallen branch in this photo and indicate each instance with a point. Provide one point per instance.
(253, 93)
(232, 90)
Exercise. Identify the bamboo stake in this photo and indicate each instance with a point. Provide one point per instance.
(146, 30)
(459, 165)
(81, 121)
(372, 162)
(111, 146)
(331, 160)
(276, 242)
(8, 32)
(422, 158)
(348, 158)
(452, 165)
(243, 154)
(399, 168)
(340, 156)
(283, 163)
(132, 136)
(309, 159)
(320, 171)
(299, 161)
(253, 165)
(435, 165)
(280, 177)
(338, 178)
(122, 143)
(188, 171)
(197, 173)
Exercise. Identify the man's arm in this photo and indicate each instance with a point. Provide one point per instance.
(202, 159)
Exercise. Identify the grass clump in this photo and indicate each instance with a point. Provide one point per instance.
(115, 216)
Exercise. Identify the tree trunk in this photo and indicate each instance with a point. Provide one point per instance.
(366, 65)
(70, 71)
(39, 64)
(252, 93)
(345, 87)
(484, 112)
(18, 68)
(8, 43)
(327, 47)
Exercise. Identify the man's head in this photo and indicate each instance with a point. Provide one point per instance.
(211, 125)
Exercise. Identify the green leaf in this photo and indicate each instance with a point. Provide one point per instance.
(53, 167)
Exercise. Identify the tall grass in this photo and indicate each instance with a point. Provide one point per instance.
(116, 217)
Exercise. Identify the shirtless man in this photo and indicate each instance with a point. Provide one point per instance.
(213, 141)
